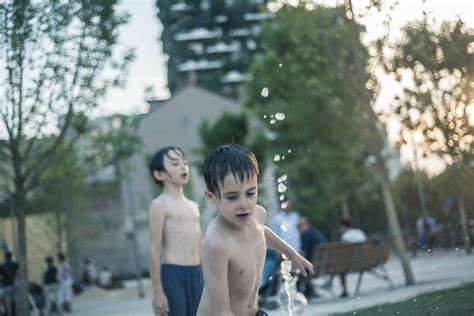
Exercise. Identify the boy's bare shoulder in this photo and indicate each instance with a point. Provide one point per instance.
(193, 203)
(260, 214)
(214, 240)
(159, 205)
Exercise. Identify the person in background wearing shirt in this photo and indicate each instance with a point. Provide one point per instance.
(285, 226)
(352, 235)
(310, 238)
(8, 279)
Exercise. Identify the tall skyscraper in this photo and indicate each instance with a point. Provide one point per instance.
(211, 42)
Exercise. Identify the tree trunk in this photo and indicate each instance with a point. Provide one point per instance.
(345, 208)
(419, 184)
(463, 219)
(23, 305)
(393, 222)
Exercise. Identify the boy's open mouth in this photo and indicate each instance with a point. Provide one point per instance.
(243, 215)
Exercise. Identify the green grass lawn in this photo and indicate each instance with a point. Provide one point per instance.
(458, 301)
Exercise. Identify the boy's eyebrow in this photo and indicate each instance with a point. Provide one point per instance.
(235, 192)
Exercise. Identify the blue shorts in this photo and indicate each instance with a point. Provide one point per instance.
(183, 287)
(10, 294)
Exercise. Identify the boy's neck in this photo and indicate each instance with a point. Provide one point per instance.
(175, 191)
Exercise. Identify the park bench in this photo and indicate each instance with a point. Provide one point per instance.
(335, 258)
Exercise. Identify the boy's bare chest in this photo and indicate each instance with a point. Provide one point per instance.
(182, 221)
(245, 265)
(186, 212)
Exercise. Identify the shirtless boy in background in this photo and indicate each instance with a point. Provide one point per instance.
(175, 238)
(235, 242)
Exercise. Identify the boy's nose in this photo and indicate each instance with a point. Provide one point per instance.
(244, 202)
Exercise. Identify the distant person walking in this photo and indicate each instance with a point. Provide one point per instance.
(65, 293)
(50, 285)
(9, 282)
(90, 274)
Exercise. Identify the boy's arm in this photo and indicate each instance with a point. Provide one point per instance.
(157, 221)
(215, 265)
(275, 242)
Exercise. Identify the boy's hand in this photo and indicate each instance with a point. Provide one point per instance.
(304, 266)
(160, 304)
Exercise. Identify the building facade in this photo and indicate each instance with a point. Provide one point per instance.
(211, 43)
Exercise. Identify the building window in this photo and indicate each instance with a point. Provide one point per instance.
(205, 4)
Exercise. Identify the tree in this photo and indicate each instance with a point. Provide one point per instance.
(53, 58)
(61, 193)
(434, 64)
(231, 128)
(324, 163)
(315, 59)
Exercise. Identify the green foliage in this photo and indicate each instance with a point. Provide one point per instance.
(231, 128)
(299, 83)
(438, 88)
(53, 61)
(53, 56)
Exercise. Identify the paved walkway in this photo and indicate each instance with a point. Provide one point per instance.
(441, 270)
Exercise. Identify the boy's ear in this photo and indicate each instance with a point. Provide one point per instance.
(159, 175)
(210, 197)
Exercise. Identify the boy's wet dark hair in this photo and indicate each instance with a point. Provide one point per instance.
(345, 222)
(8, 255)
(231, 158)
(157, 161)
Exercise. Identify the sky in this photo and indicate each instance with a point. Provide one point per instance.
(144, 29)
(149, 70)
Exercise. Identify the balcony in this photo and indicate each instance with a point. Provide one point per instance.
(198, 34)
(203, 64)
(221, 47)
(235, 76)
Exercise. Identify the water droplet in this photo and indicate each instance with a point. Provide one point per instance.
(280, 116)
(276, 158)
(281, 187)
(285, 226)
(273, 121)
(289, 151)
(280, 65)
(265, 92)
(282, 178)
(282, 197)
(264, 116)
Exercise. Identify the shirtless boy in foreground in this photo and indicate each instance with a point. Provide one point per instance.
(235, 242)
(175, 237)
